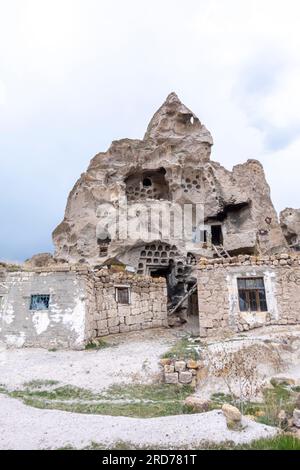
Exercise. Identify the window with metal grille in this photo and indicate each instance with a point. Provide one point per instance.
(252, 294)
(123, 295)
(39, 302)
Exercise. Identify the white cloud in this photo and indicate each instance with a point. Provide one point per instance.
(76, 74)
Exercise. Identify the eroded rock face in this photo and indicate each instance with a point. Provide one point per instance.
(40, 260)
(290, 224)
(167, 170)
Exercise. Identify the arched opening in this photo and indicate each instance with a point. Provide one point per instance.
(147, 182)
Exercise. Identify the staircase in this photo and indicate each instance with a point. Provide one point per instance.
(186, 296)
(221, 252)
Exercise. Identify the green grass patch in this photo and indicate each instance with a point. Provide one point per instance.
(184, 349)
(280, 442)
(136, 400)
(97, 344)
(38, 384)
(134, 410)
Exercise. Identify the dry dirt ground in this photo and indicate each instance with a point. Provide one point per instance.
(130, 358)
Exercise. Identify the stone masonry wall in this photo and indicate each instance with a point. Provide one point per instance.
(219, 311)
(62, 325)
(147, 307)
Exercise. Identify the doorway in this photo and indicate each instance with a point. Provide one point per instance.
(216, 235)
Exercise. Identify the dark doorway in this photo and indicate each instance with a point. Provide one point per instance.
(216, 235)
(166, 272)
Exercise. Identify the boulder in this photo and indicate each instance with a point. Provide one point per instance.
(198, 404)
(233, 416)
(275, 381)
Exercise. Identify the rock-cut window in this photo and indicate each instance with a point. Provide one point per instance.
(252, 294)
(39, 302)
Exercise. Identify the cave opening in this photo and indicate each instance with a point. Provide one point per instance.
(216, 235)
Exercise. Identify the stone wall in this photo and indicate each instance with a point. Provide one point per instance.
(147, 307)
(219, 311)
(82, 305)
(62, 325)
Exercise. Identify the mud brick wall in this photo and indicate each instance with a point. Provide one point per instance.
(219, 311)
(147, 307)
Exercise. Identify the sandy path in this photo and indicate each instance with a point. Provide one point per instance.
(23, 427)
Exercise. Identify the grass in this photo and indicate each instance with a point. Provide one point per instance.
(136, 400)
(97, 344)
(280, 442)
(182, 350)
(280, 397)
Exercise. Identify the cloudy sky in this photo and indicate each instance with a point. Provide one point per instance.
(76, 74)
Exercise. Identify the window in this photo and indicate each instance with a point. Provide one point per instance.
(39, 302)
(123, 295)
(103, 245)
(1, 301)
(252, 294)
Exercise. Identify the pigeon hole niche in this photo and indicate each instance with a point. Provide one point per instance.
(147, 184)
(159, 259)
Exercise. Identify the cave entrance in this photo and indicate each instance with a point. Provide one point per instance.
(164, 271)
(216, 235)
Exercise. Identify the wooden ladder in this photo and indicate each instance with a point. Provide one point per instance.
(221, 252)
(188, 294)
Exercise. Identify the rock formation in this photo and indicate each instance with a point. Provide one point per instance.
(290, 224)
(166, 172)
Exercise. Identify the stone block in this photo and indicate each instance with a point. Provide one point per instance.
(180, 366)
(113, 322)
(171, 378)
(185, 377)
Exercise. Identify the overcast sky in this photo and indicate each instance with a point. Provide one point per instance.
(77, 74)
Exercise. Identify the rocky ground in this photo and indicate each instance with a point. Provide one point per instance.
(132, 359)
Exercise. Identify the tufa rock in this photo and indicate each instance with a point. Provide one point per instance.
(168, 168)
(233, 416)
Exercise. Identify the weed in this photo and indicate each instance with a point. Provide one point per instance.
(183, 350)
(97, 344)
